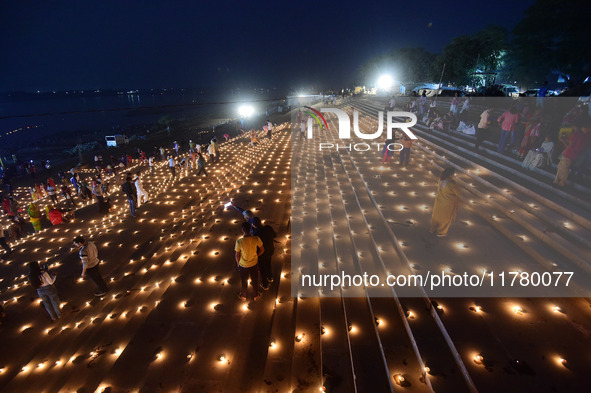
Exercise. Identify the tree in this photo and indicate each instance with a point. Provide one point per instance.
(407, 64)
(474, 59)
(554, 37)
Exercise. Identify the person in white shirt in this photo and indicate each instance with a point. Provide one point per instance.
(151, 164)
(465, 109)
(52, 193)
(89, 257)
(42, 281)
(140, 189)
(172, 165)
(392, 103)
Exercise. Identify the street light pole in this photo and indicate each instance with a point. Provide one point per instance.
(439, 87)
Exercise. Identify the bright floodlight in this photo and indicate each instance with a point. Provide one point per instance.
(246, 110)
(385, 82)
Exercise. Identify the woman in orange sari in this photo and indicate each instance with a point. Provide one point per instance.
(447, 203)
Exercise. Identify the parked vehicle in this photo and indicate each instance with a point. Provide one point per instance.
(116, 140)
(530, 93)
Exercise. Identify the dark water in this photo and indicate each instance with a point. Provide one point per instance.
(25, 120)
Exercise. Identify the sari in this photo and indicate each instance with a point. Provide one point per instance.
(532, 134)
(35, 216)
(446, 206)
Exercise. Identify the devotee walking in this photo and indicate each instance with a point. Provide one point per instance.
(171, 166)
(507, 122)
(67, 194)
(97, 191)
(267, 236)
(447, 203)
(388, 150)
(74, 181)
(131, 193)
(392, 103)
(211, 152)
(216, 148)
(247, 259)
(42, 281)
(52, 192)
(140, 189)
(201, 165)
(151, 164)
(90, 264)
(193, 159)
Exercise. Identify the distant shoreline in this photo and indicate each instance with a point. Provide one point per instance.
(147, 136)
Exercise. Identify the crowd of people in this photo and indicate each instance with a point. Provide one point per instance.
(526, 131)
(64, 197)
(42, 280)
(521, 128)
(250, 263)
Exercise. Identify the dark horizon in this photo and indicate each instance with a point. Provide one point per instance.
(90, 46)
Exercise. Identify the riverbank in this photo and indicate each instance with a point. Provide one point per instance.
(146, 137)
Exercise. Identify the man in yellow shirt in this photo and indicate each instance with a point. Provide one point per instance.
(248, 249)
(483, 128)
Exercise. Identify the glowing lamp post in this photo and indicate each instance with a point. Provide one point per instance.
(245, 111)
(385, 82)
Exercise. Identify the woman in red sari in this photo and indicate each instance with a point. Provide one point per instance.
(532, 134)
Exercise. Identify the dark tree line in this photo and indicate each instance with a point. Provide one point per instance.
(552, 38)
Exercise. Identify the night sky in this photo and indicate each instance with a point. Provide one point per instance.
(61, 45)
